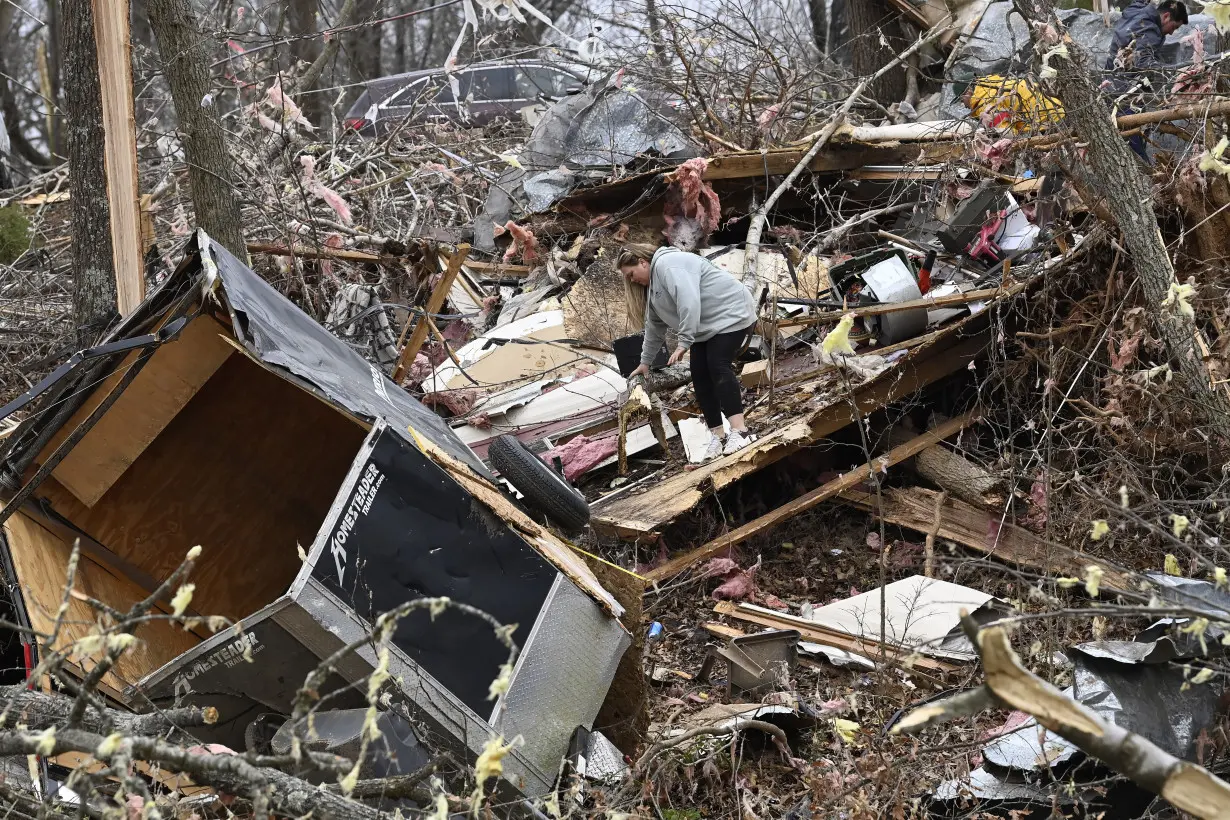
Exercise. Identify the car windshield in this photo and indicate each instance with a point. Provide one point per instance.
(538, 81)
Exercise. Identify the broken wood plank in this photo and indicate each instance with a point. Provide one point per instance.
(949, 300)
(806, 502)
(979, 530)
(111, 22)
(755, 373)
(498, 268)
(341, 254)
(434, 303)
(816, 633)
(639, 515)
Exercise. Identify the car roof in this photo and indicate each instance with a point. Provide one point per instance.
(382, 88)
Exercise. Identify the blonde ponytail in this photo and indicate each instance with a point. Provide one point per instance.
(635, 296)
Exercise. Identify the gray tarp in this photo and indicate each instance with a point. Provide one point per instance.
(280, 334)
(596, 131)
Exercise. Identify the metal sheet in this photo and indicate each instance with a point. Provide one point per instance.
(1193, 593)
(1149, 700)
(408, 530)
(562, 676)
(217, 673)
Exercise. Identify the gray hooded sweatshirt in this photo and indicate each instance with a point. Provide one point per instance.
(694, 297)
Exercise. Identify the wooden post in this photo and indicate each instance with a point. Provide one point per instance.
(111, 35)
(434, 303)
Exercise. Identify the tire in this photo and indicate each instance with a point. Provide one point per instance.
(543, 488)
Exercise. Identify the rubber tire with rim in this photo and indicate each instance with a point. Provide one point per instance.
(543, 488)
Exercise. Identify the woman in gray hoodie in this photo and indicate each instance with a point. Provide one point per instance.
(711, 313)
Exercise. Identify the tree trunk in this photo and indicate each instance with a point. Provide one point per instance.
(301, 22)
(185, 60)
(400, 35)
(875, 38)
(819, 25)
(364, 42)
(56, 137)
(93, 269)
(1112, 173)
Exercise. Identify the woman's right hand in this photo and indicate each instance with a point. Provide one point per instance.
(641, 370)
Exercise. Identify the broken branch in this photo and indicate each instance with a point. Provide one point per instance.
(1191, 788)
(752, 253)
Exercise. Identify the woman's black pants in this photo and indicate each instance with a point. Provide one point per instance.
(713, 376)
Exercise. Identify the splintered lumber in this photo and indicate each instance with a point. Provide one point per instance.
(977, 529)
(639, 515)
(120, 149)
(805, 502)
(498, 268)
(434, 303)
(816, 633)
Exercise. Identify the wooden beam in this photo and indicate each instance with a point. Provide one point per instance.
(783, 160)
(434, 303)
(639, 515)
(949, 300)
(817, 633)
(120, 149)
(978, 530)
(342, 254)
(498, 268)
(805, 502)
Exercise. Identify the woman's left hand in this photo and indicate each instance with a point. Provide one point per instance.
(679, 353)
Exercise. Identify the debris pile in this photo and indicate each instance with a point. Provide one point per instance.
(968, 414)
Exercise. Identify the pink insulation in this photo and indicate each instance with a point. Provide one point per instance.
(582, 453)
(692, 208)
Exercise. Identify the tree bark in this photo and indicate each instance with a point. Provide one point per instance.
(211, 171)
(875, 38)
(1112, 173)
(93, 269)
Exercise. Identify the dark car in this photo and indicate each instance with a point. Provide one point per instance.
(486, 93)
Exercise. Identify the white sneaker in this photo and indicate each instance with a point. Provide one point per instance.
(713, 449)
(736, 440)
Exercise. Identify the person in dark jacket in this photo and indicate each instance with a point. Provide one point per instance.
(1137, 41)
(1135, 48)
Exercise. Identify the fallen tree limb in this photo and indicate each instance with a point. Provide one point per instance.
(1127, 122)
(1189, 787)
(950, 300)
(38, 710)
(805, 502)
(284, 793)
(346, 255)
(738, 724)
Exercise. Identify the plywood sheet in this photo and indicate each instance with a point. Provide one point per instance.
(247, 470)
(513, 362)
(168, 381)
(40, 560)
